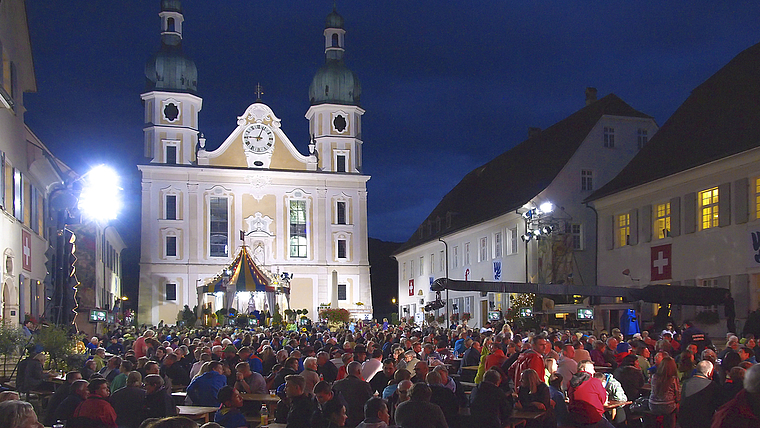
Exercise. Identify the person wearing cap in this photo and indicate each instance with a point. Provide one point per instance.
(360, 353)
(623, 350)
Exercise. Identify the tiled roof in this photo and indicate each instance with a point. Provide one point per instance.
(720, 118)
(513, 178)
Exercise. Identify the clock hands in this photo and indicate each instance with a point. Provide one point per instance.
(258, 137)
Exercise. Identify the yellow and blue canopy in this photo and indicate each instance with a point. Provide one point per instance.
(246, 276)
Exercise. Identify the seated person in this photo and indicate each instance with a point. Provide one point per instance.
(95, 409)
(158, 399)
(533, 394)
(229, 415)
(375, 414)
(65, 410)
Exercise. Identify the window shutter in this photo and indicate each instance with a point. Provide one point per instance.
(675, 216)
(611, 232)
(724, 204)
(634, 216)
(741, 201)
(645, 224)
(739, 291)
(689, 212)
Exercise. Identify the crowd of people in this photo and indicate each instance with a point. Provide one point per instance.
(380, 375)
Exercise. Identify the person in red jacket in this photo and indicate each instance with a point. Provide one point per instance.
(530, 359)
(96, 407)
(587, 398)
(496, 357)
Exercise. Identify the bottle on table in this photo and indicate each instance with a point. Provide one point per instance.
(264, 415)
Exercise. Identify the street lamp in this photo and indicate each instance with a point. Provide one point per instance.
(100, 199)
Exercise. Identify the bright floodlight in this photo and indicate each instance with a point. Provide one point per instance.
(546, 207)
(100, 199)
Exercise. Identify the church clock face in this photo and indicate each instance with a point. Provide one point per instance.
(258, 138)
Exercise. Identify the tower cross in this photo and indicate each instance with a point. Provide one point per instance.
(259, 92)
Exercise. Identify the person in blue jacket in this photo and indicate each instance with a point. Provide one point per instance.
(203, 390)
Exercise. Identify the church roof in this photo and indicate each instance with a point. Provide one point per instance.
(720, 118)
(513, 178)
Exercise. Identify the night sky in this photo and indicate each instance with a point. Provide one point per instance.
(446, 85)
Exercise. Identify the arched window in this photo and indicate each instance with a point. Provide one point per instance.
(335, 41)
(170, 24)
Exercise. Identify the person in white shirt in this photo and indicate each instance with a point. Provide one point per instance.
(373, 365)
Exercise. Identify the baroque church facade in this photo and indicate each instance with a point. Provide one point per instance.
(300, 214)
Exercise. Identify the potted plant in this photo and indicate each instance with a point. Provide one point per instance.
(335, 317)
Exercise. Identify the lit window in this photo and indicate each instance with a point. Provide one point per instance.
(708, 204)
(623, 227)
(18, 195)
(483, 253)
(467, 254)
(609, 137)
(662, 220)
(341, 248)
(219, 233)
(757, 198)
(587, 179)
(497, 245)
(298, 229)
(643, 138)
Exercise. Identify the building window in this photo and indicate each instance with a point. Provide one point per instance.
(411, 269)
(18, 195)
(422, 266)
(441, 261)
(298, 229)
(643, 138)
(340, 163)
(757, 198)
(403, 271)
(623, 228)
(3, 166)
(437, 225)
(662, 220)
(171, 207)
(34, 214)
(432, 263)
(576, 232)
(466, 254)
(448, 220)
(171, 155)
(219, 230)
(512, 249)
(708, 204)
(483, 250)
(609, 137)
(341, 212)
(342, 292)
(171, 292)
(587, 179)
(171, 246)
(455, 257)
(497, 245)
(341, 248)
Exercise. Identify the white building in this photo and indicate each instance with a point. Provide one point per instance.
(481, 220)
(301, 214)
(686, 210)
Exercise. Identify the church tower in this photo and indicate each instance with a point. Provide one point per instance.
(170, 100)
(335, 114)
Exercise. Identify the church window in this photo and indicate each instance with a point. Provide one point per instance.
(171, 291)
(170, 25)
(609, 137)
(298, 229)
(339, 123)
(497, 244)
(341, 248)
(643, 138)
(342, 294)
(708, 205)
(171, 155)
(171, 207)
(623, 230)
(340, 163)
(662, 220)
(171, 112)
(171, 246)
(335, 41)
(341, 212)
(466, 254)
(219, 233)
(587, 179)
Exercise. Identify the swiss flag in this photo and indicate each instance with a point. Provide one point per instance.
(411, 287)
(661, 263)
(26, 250)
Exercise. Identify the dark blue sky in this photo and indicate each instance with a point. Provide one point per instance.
(446, 85)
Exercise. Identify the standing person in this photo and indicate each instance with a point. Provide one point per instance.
(96, 409)
(355, 391)
(129, 402)
(490, 406)
(666, 392)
